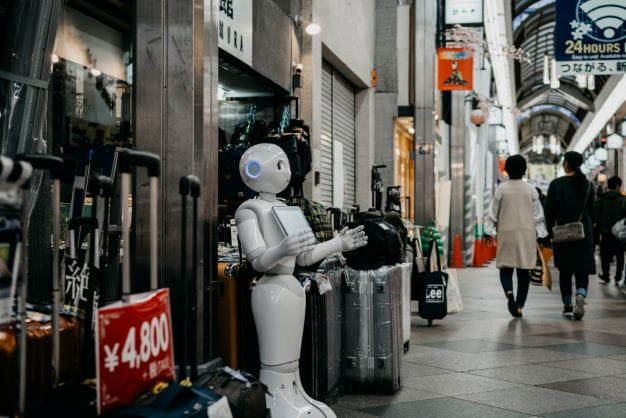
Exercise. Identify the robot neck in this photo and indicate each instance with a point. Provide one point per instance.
(268, 197)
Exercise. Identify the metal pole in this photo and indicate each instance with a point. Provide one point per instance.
(56, 281)
(154, 245)
(125, 190)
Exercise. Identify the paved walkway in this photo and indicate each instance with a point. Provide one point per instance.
(483, 363)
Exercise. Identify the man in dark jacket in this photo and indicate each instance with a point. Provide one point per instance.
(610, 208)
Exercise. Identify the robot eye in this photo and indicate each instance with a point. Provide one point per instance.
(253, 169)
(279, 165)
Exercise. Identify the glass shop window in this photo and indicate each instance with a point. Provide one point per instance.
(91, 85)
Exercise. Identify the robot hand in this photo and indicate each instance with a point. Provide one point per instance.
(298, 243)
(351, 239)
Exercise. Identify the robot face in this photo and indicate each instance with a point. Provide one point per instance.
(265, 168)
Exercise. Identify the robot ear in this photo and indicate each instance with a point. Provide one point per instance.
(252, 169)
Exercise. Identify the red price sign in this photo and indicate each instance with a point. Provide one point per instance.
(134, 348)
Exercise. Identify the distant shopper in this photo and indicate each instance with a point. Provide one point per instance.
(610, 208)
(516, 215)
(570, 200)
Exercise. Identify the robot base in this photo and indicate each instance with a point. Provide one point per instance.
(289, 400)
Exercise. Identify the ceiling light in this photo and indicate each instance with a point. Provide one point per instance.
(615, 141)
(592, 162)
(601, 154)
(411, 130)
(313, 29)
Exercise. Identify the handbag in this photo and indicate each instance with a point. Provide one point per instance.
(573, 231)
(619, 230)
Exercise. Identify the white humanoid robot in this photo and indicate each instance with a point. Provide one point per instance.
(278, 299)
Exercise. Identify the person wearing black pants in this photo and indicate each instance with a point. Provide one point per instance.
(570, 200)
(523, 283)
(565, 283)
(608, 210)
(516, 216)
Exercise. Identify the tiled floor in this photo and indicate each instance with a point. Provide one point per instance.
(483, 363)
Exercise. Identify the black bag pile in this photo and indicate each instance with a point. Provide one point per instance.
(384, 245)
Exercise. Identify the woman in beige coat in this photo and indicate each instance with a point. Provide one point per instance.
(517, 216)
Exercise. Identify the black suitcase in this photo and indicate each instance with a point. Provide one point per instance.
(320, 355)
(432, 285)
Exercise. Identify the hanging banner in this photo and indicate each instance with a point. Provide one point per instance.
(235, 29)
(464, 12)
(590, 37)
(455, 69)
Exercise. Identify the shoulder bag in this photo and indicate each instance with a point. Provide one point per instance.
(573, 231)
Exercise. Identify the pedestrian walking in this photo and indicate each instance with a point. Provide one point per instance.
(516, 216)
(569, 208)
(609, 209)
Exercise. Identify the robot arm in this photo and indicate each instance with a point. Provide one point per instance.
(347, 240)
(262, 258)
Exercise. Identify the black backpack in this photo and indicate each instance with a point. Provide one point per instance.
(384, 246)
(432, 287)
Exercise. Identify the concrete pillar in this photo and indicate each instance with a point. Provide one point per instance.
(386, 96)
(425, 13)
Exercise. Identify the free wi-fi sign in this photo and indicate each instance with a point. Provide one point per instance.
(590, 38)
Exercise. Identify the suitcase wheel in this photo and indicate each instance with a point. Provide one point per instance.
(406, 347)
(430, 322)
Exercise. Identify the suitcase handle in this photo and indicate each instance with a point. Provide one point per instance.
(50, 163)
(128, 159)
(54, 165)
(101, 186)
(131, 158)
(189, 185)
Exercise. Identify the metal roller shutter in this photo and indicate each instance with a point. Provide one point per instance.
(344, 131)
(337, 124)
(326, 137)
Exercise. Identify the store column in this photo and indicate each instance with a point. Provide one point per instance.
(176, 117)
(424, 73)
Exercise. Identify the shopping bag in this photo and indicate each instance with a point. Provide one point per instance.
(455, 300)
(619, 230)
(540, 275)
(546, 255)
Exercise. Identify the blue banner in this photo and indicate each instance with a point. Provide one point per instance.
(590, 36)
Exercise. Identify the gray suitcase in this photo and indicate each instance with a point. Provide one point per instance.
(372, 330)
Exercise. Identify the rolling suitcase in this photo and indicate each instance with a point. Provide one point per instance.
(227, 313)
(407, 270)
(432, 289)
(372, 330)
(320, 356)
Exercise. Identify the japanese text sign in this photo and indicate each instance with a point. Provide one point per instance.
(455, 69)
(235, 28)
(133, 348)
(464, 12)
(590, 36)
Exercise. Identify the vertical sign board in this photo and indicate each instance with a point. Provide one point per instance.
(455, 69)
(590, 37)
(464, 12)
(235, 29)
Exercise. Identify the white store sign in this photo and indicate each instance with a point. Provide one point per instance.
(464, 12)
(235, 29)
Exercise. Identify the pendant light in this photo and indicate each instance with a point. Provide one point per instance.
(592, 162)
(615, 141)
(601, 154)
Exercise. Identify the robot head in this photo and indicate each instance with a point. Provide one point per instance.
(265, 168)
